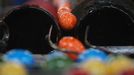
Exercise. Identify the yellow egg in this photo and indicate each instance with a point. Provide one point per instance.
(12, 69)
(95, 67)
(119, 64)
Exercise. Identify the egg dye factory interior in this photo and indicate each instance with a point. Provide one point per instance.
(66, 37)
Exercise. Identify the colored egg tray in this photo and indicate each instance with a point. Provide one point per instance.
(92, 61)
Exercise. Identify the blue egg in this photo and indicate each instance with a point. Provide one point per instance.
(92, 54)
(56, 54)
(22, 56)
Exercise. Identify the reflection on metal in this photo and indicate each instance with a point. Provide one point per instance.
(119, 49)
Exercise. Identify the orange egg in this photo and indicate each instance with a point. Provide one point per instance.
(72, 44)
(67, 20)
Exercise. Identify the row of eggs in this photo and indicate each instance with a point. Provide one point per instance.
(90, 62)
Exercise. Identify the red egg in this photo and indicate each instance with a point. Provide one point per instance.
(128, 72)
(78, 72)
(72, 44)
